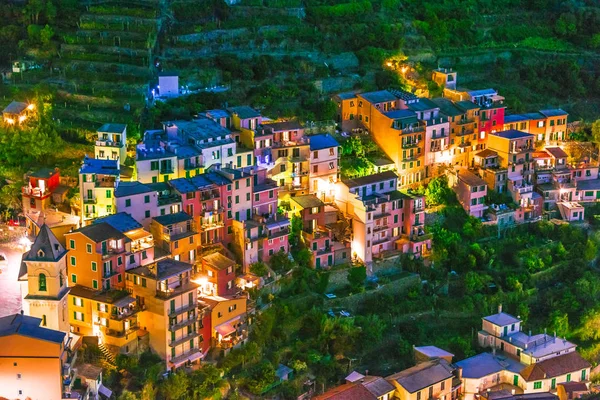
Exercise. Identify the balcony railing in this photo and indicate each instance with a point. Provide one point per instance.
(166, 170)
(186, 338)
(523, 189)
(185, 356)
(408, 145)
(87, 200)
(108, 143)
(190, 321)
(122, 333)
(180, 310)
(410, 157)
(34, 192)
(464, 121)
(126, 312)
(409, 130)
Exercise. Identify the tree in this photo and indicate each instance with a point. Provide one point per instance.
(281, 263)
(295, 230)
(176, 386)
(559, 323)
(46, 35)
(437, 191)
(260, 377)
(149, 391)
(127, 395)
(259, 269)
(206, 383)
(357, 277)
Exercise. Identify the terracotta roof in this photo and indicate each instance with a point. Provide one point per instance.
(572, 387)
(423, 375)
(348, 391)
(555, 366)
(557, 152)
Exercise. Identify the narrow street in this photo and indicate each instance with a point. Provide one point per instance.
(10, 292)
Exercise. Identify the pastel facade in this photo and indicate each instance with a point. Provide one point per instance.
(98, 180)
(324, 159)
(177, 235)
(38, 192)
(470, 190)
(111, 143)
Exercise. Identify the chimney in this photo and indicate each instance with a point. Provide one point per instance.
(530, 333)
(367, 372)
(499, 308)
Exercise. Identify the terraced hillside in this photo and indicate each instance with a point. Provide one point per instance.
(107, 63)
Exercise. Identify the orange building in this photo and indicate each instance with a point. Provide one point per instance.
(97, 256)
(34, 361)
(177, 235)
(170, 301)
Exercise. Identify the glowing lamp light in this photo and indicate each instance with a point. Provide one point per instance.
(25, 242)
(22, 118)
(10, 121)
(31, 106)
(389, 63)
(404, 69)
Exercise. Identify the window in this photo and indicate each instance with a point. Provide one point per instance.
(127, 202)
(256, 197)
(94, 284)
(418, 395)
(537, 385)
(18, 376)
(147, 214)
(583, 374)
(473, 202)
(430, 392)
(143, 282)
(78, 316)
(72, 243)
(153, 165)
(443, 385)
(108, 194)
(73, 278)
(315, 154)
(147, 199)
(247, 196)
(271, 194)
(237, 199)
(42, 283)
(331, 165)
(247, 182)
(94, 266)
(120, 261)
(72, 260)
(237, 185)
(568, 377)
(88, 248)
(315, 169)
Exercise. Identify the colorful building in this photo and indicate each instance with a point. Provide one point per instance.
(98, 180)
(470, 190)
(324, 159)
(44, 283)
(39, 192)
(177, 235)
(112, 143)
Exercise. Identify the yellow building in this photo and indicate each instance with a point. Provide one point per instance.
(228, 319)
(169, 299)
(427, 380)
(112, 143)
(111, 315)
(97, 182)
(33, 360)
(43, 277)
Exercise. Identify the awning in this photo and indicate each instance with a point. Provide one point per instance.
(225, 329)
(104, 391)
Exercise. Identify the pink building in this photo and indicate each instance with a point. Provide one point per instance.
(264, 201)
(383, 218)
(324, 159)
(470, 190)
(259, 238)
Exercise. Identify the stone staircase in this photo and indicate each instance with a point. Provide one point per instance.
(107, 355)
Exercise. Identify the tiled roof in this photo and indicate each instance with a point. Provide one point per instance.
(557, 152)
(324, 141)
(44, 173)
(307, 201)
(467, 105)
(112, 128)
(486, 153)
(512, 134)
(218, 261)
(15, 107)
(397, 114)
(555, 366)
(447, 107)
(131, 188)
(369, 179)
(170, 219)
(348, 391)
(423, 375)
(46, 247)
(378, 97)
(100, 232)
(25, 325)
(244, 112)
(485, 364)
(554, 112)
(502, 319)
(403, 94)
(470, 178)
(122, 221)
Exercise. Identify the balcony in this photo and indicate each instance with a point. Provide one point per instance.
(126, 312)
(520, 149)
(410, 157)
(382, 240)
(409, 130)
(87, 200)
(112, 252)
(191, 354)
(169, 199)
(108, 143)
(207, 226)
(378, 228)
(166, 170)
(183, 324)
(438, 147)
(420, 238)
(465, 121)
(106, 183)
(122, 333)
(178, 232)
(410, 144)
(109, 274)
(186, 338)
(523, 189)
(34, 192)
(298, 174)
(466, 132)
